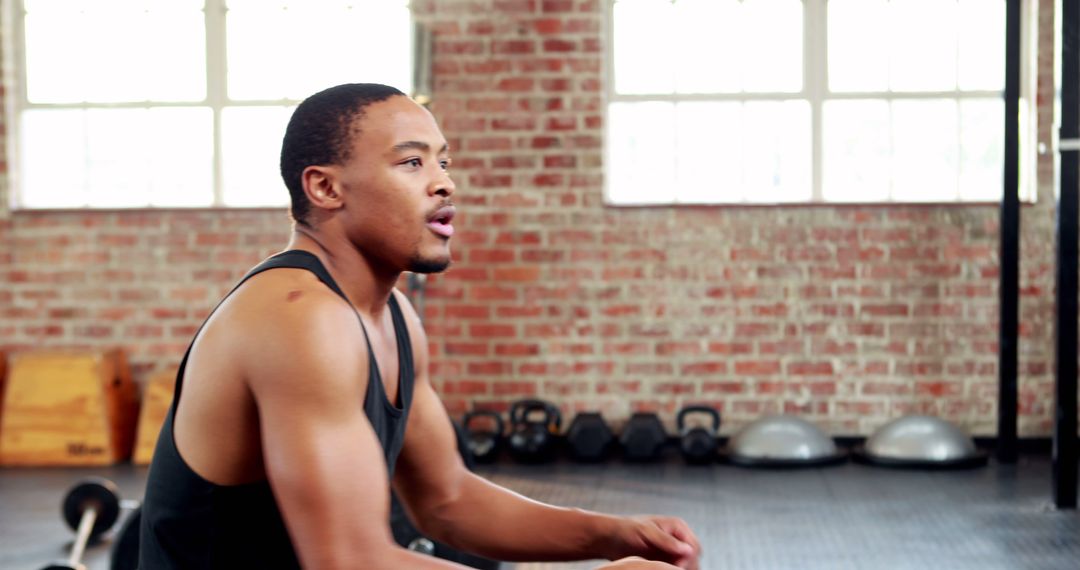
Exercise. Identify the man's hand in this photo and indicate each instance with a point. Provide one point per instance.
(668, 539)
(636, 563)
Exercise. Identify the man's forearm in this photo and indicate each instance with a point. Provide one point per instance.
(497, 523)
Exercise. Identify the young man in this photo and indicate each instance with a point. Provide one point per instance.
(305, 395)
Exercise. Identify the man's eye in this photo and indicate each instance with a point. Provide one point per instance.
(444, 164)
(414, 162)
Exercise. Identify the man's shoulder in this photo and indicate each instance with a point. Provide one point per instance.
(290, 302)
(284, 322)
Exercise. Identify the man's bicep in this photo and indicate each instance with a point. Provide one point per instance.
(322, 457)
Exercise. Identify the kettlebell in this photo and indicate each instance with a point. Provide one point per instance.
(533, 425)
(484, 444)
(698, 444)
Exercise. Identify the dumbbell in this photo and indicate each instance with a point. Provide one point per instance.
(698, 444)
(589, 437)
(90, 508)
(643, 437)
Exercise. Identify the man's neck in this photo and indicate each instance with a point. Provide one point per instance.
(367, 288)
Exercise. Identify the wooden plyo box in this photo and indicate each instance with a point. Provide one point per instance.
(68, 408)
(157, 398)
(3, 381)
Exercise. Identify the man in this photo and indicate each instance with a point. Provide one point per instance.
(302, 388)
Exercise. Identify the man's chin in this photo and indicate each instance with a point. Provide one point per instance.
(433, 265)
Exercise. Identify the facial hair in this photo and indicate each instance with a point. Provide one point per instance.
(420, 265)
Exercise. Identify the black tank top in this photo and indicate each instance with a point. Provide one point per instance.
(189, 522)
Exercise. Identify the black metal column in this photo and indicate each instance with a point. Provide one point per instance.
(1010, 243)
(1065, 426)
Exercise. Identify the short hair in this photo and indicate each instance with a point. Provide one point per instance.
(321, 131)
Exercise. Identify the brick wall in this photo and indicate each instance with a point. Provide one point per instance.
(847, 315)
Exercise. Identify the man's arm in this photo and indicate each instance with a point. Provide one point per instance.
(468, 512)
(308, 373)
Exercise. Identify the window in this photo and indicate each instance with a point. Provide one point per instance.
(789, 101)
(182, 103)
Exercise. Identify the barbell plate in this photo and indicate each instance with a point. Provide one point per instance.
(99, 493)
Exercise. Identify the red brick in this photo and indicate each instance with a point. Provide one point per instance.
(467, 311)
(466, 387)
(515, 6)
(489, 368)
(477, 255)
(504, 388)
(730, 348)
(489, 330)
(724, 387)
(467, 349)
(810, 368)
(541, 65)
(557, 6)
(704, 369)
(891, 309)
(516, 84)
(520, 274)
(547, 26)
(757, 367)
(559, 46)
(517, 349)
(459, 47)
(493, 293)
(676, 348)
(513, 124)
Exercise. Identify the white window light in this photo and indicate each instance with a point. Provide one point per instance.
(789, 101)
(182, 103)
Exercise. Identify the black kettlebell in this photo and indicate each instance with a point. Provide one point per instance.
(533, 425)
(698, 444)
(484, 444)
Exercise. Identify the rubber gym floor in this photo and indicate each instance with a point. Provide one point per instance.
(843, 517)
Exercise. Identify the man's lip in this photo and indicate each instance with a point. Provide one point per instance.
(442, 229)
(439, 222)
(447, 212)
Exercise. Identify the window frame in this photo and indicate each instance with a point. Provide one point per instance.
(216, 100)
(816, 92)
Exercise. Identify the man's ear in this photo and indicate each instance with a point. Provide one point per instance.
(321, 188)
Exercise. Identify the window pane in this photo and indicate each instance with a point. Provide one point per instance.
(708, 156)
(138, 157)
(53, 157)
(858, 58)
(981, 149)
(710, 27)
(117, 158)
(54, 75)
(360, 41)
(856, 153)
(772, 49)
(925, 150)
(168, 63)
(251, 155)
(644, 46)
(181, 156)
(777, 151)
(923, 45)
(641, 153)
(982, 44)
(116, 166)
(175, 68)
(35, 5)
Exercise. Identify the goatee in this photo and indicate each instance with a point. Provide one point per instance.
(420, 265)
